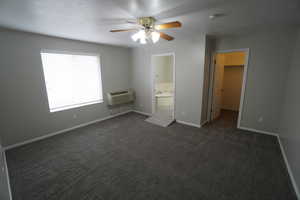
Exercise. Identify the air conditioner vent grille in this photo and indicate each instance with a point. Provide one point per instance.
(120, 97)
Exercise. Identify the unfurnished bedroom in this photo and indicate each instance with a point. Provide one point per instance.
(144, 100)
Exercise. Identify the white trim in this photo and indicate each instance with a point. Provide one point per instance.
(68, 107)
(153, 81)
(295, 186)
(63, 131)
(243, 87)
(142, 113)
(203, 123)
(258, 131)
(188, 123)
(289, 168)
(231, 50)
(79, 53)
(148, 114)
(246, 64)
(7, 176)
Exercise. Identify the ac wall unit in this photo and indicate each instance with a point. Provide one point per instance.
(121, 97)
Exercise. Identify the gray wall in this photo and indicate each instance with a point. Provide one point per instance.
(189, 68)
(4, 191)
(290, 123)
(24, 109)
(269, 58)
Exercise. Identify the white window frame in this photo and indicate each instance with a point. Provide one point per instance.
(73, 53)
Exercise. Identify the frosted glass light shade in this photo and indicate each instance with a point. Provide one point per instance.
(139, 35)
(155, 36)
(142, 36)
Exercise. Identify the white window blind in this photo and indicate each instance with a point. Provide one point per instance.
(72, 80)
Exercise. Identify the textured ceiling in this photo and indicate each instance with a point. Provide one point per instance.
(91, 20)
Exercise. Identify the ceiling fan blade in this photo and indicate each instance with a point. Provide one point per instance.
(175, 24)
(166, 36)
(132, 21)
(123, 30)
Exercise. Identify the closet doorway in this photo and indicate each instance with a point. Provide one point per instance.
(228, 86)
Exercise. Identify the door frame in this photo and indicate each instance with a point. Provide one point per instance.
(244, 83)
(153, 81)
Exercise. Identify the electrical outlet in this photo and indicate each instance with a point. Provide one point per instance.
(260, 119)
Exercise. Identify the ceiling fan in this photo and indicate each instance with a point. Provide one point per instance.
(148, 31)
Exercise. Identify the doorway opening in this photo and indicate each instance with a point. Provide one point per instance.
(163, 89)
(228, 80)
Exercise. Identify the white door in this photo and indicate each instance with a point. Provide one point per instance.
(218, 86)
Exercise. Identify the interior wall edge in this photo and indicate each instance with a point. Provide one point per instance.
(290, 172)
(188, 123)
(289, 169)
(258, 131)
(142, 113)
(7, 175)
(5, 187)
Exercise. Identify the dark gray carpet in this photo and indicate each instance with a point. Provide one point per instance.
(126, 158)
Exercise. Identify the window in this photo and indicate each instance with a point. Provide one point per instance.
(72, 80)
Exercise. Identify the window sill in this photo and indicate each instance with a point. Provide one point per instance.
(75, 106)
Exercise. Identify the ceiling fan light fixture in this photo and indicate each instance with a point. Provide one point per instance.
(135, 37)
(143, 40)
(155, 36)
(141, 35)
(148, 31)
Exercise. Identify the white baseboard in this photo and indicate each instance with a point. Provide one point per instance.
(289, 168)
(258, 131)
(203, 123)
(295, 186)
(142, 113)
(63, 131)
(147, 114)
(7, 176)
(188, 123)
